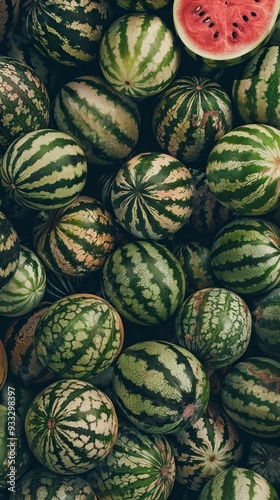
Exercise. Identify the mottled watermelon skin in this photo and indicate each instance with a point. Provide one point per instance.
(174, 395)
(245, 255)
(214, 324)
(242, 169)
(238, 482)
(9, 10)
(265, 316)
(209, 446)
(190, 116)
(139, 55)
(139, 466)
(9, 250)
(152, 195)
(70, 426)
(250, 396)
(144, 281)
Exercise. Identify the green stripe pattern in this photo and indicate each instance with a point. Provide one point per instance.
(44, 170)
(245, 255)
(50, 485)
(70, 426)
(255, 88)
(215, 325)
(139, 466)
(74, 240)
(25, 103)
(161, 387)
(9, 250)
(79, 336)
(139, 55)
(144, 281)
(238, 482)
(194, 258)
(266, 323)
(152, 195)
(190, 117)
(26, 287)
(68, 32)
(209, 446)
(250, 396)
(243, 169)
(89, 100)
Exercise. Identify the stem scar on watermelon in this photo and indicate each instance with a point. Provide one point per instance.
(224, 32)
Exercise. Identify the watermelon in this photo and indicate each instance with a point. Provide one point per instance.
(139, 55)
(3, 364)
(19, 344)
(27, 286)
(50, 485)
(242, 169)
(190, 116)
(152, 195)
(139, 466)
(44, 169)
(9, 10)
(25, 103)
(245, 255)
(116, 117)
(250, 396)
(238, 483)
(214, 324)
(223, 33)
(207, 447)
(59, 285)
(71, 426)
(14, 452)
(76, 239)
(160, 387)
(142, 5)
(264, 458)
(24, 395)
(9, 250)
(79, 336)
(144, 281)
(266, 326)
(68, 33)
(255, 88)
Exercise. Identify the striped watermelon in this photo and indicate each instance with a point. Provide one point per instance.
(71, 426)
(209, 446)
(194, 258)
(245, 255)
(215, 325)
(15, 454)
(264, 458)
(27, 286)
(68, 32)
(79, 336)
(142, 5)
(76, 239)
(45, 169)
(9, 10)
(152, 195)
(255, 88)
(50, 485)
(190, 116)
(59, 285)
(250, 396)
(144, 281)
(25, 103)
(139, 466)
(160, 387)
(139, 55)
(3, 364)
(242, 169)
(266, 323)
(19, 344)
(9, 250)
(238, 483)
(224, 33)
(116, 117)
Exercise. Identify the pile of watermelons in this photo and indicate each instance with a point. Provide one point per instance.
(139, 249)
